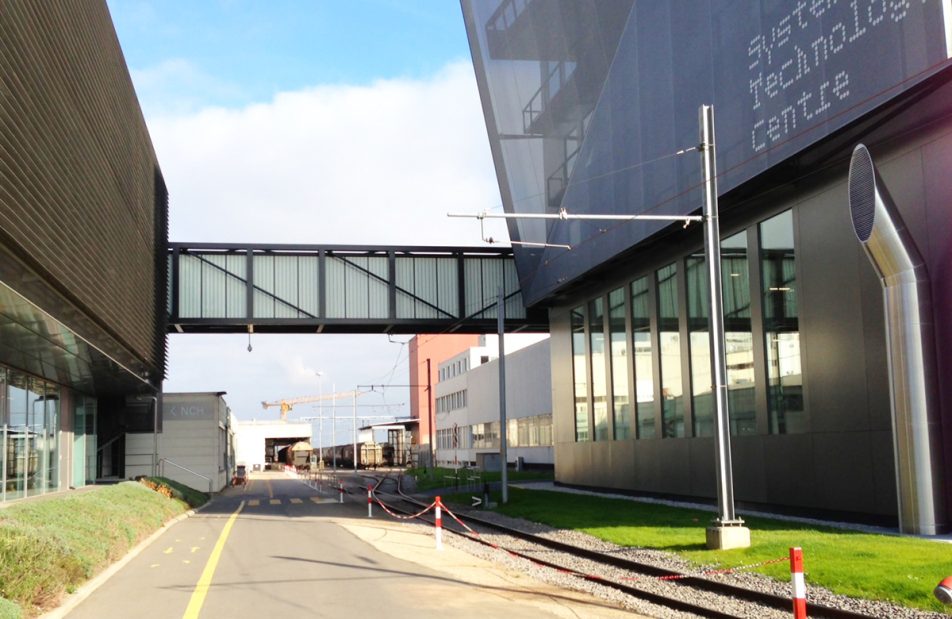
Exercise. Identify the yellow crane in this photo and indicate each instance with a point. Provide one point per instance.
(288, 403)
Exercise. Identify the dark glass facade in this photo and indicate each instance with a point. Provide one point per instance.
(795, 86)
(589, 100)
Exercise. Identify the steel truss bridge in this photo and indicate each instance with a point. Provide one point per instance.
(232, 288)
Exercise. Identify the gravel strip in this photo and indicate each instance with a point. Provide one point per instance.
(749, 580)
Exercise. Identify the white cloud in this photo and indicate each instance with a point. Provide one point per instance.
(375, 164)
(364, 165)
(177, 86)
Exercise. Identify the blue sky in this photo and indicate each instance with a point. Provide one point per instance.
(244, 51)
(318, 122)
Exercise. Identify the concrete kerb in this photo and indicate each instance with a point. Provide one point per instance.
(86, 589)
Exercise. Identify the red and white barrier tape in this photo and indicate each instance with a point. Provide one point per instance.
(460, 522)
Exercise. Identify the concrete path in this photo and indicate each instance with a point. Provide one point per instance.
(278, 549)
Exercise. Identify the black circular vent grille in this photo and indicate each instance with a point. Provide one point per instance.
(862, 185)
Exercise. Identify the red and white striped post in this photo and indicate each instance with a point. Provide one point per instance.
(370, 505)
(799, 584)
(439, 524)
(340, 491)
(943, 590)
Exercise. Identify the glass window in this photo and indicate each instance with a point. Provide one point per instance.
(545, 430)
(781, 326)
(90, 404)
(738, 336)
(18, 444)
(621, 408)
(581, 374)
(672, 404)
(702, 395)
(644, 370)
(596, 330)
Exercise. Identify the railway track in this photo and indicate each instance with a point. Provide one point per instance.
(679, 591)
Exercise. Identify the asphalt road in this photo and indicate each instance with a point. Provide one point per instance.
(276, 548)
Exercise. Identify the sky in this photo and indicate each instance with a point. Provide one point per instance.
(322, 122)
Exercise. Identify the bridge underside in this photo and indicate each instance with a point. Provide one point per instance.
(226, 288)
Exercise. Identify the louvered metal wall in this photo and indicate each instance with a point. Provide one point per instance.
(82, 202)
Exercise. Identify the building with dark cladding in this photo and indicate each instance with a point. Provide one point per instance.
(592, 107)
(83, 237)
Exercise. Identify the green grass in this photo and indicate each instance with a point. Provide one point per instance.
(898, 569)
(439, 477)
(50, 546)
(9, 610)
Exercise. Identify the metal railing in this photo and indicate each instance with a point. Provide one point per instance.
(163, 461)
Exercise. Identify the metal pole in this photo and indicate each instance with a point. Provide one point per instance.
(712, 250)
(503, 455)
(355, 430)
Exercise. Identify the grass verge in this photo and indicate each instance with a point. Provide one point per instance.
(51, 546)
(902, 570)
(439, 477)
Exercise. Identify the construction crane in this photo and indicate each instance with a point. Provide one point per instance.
(289, 403)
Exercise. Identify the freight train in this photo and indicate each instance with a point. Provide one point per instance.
(297, 455)
(369, 455)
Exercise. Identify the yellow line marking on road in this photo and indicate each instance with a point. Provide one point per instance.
(275, 501)
(167, 551)
(296, 501)
(154, 565)
(186, 561)
(201, 589)
(195, 549)
(254, 503)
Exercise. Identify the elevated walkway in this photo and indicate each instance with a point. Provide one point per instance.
(238, 288)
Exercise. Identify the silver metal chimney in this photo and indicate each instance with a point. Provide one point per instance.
(910, 347)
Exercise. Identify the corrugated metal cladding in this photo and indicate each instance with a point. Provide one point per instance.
(213, 286)
(286, 286)
(357, 287)
(427, 287)
(81, 199)
(483, 276)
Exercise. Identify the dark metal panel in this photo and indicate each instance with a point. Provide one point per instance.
(750, 479)
(787, 464)
(832, 348)
(563, 418)
(701, 465)
(844, 472)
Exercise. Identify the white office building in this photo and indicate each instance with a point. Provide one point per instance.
(467, 405)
